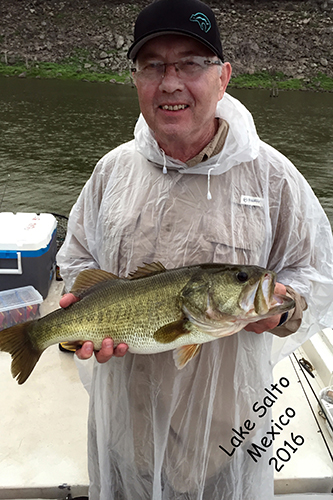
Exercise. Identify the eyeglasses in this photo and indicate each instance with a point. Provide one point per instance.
(189, 69)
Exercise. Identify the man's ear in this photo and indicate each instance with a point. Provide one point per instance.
(225, 77)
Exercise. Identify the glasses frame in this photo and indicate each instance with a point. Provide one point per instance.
(202, 59)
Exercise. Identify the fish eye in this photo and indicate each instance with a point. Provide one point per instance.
(242, 276)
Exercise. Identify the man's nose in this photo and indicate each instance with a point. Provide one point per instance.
(170, 80)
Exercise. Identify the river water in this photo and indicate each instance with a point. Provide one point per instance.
(53, 132)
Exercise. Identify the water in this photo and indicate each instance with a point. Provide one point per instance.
(53, 132)
(300, 125)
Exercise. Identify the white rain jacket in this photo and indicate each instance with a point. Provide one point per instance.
(155, 432)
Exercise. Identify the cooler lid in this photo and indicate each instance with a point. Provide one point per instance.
(26, 231)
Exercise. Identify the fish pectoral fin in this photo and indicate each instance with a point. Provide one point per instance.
(182, 355)
(89, 278)
(170, 332)
(147, 270)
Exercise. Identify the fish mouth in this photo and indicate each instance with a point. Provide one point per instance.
(265, 293)
(259, 299)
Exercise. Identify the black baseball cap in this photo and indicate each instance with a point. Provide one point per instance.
(186, 17)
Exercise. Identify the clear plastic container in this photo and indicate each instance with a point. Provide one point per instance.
(19, 305)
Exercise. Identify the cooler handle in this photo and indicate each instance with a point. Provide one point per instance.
(14, 271)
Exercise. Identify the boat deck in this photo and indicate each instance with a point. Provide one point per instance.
(43, 429)
(43, 425)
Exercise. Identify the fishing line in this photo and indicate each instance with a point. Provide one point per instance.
(308, 400)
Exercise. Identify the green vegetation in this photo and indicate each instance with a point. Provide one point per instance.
(69, 70)
(324, 82)
(80, 67)
(279, 81)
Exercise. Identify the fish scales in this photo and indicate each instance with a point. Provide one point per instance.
(129, 311)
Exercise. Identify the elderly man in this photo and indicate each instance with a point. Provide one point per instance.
(195, 185)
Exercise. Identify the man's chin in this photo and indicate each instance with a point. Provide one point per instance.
(173, 132)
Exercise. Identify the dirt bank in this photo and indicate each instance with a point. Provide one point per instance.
(293, 37)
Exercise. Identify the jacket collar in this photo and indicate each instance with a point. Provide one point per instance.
(241, 145)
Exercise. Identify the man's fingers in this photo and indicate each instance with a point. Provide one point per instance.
(108, 350)
(86, 350)
(105, 353)
(263, 325)
(280, 289)
(120, 350)
(68, 299)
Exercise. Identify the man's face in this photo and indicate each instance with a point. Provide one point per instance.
(179, 110)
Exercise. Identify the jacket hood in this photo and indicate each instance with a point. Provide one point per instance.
(241, 145)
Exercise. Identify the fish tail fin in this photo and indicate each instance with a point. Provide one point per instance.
(17, 342)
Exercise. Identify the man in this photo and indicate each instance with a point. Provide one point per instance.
(195, 185)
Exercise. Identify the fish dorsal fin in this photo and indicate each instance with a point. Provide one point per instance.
(147, 270)
(182, 355)
(89, 278)
(171, 331)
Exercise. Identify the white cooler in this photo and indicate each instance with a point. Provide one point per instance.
(28, 247)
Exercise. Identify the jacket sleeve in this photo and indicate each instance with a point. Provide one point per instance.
(294, 317)
(79, 250)
(302, 256)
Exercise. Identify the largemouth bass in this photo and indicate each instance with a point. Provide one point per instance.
(153, 310)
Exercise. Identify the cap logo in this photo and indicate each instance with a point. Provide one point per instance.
(202, 20)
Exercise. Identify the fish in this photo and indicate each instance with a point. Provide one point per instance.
(152, 310)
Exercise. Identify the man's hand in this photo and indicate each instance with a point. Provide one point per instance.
(268, 323)
(107, 350)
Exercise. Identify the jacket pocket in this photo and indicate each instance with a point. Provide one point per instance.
(238, 236)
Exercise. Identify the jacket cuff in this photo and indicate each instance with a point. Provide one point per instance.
(291, 320)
